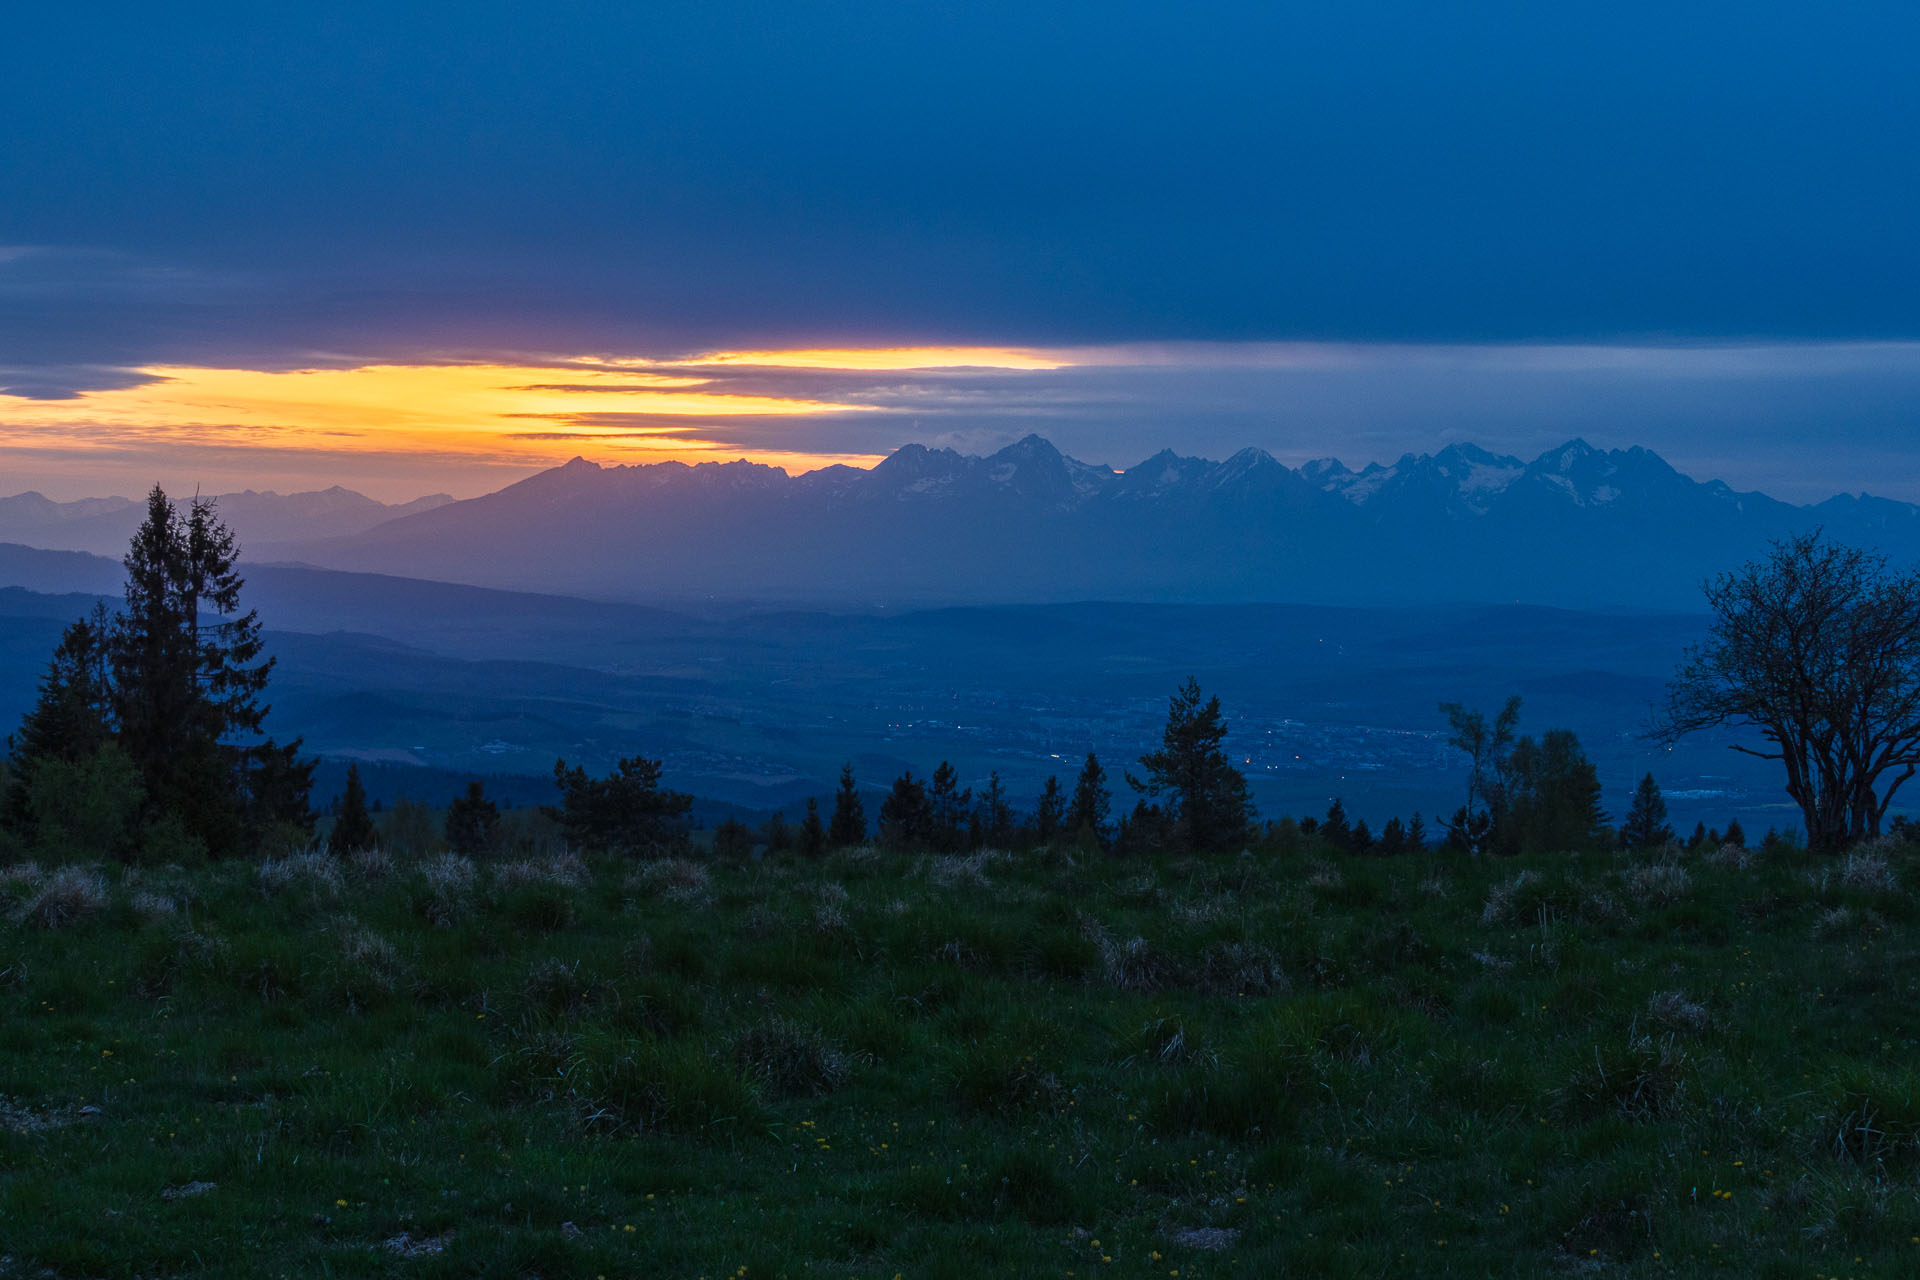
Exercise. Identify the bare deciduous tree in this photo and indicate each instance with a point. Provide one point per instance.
(1818, 647)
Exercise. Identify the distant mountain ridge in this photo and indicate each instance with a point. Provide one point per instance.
(1576, 527)
(104, 526)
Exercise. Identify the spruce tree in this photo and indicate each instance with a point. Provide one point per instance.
(1646, 824)
(813, 836)
(949, 806)
(849, 826)
(906, 815)
(470, 820)
(1335, 829)
(1087, 816)
(71, 721)
(353, 828)
(1736, 836)
(1206, 801)
(1551, 798)
(174, 681)
(993, 816)
(627, 812)
(187, 676)
(1052, 808)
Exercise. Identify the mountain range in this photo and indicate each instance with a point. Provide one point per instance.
(1576, 527)
(104, 526)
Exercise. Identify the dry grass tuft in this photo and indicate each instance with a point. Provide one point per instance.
(557, 987)
(1866, 868)
(790, 1060)
(1136, 965)
(1241, 969)
(314, 870)
(1659, 883)
(63, 897)
(154, 906)
(448, 882)
(564, 870)
(673, 880)
(374, 967)
(949, 871)
(1499, 907)
(369, 866)
(1672, 1010)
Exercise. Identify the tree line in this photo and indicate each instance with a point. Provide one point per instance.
(146, 741)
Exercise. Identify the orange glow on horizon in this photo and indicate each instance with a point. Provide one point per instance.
(502, 413)
(868, 359)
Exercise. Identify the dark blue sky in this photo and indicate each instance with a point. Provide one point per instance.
(261, 183)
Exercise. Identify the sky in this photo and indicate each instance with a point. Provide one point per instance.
(435, 248)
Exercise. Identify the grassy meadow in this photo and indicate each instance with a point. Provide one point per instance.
(880, 1065)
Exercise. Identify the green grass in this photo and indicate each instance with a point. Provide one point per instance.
(998, 1066)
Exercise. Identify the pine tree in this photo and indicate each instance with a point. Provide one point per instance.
(849, 825)
(1205, 797)
(1736, 836)
(353, 828)
(1416, 833)
(1646, 824)
(813, 836)
(1393, 839)
(776, 833)
(470, 820)
(1051, 809)
(1087, 816)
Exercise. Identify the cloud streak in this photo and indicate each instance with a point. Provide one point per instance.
(1809, 415)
